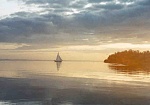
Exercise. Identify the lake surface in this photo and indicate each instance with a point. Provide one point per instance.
(71, 83)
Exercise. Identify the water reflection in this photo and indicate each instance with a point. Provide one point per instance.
(77, 83)
(68, 91)
(58, 65)
(129, 69)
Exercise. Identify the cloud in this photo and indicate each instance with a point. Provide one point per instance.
(11, 28)
(63, 2)
(11, 46)
(109, 6)
(111, 46)
(66, 21)
(144, 2)
(98, 1)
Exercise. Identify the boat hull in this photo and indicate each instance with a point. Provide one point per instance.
(57, 61)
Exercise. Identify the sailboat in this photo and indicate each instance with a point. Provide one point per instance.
(58, 58)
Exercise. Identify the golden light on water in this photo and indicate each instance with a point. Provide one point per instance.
(70, 69)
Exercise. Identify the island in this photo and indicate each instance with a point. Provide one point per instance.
(131, 58)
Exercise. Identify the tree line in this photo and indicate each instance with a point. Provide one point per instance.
(133, 58)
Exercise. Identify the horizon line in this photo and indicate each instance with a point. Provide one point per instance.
(49, 60)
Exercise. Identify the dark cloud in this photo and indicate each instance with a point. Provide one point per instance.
(144, 2)
(78, 4)
(88, 20)
(127, 0)
(60, 2)
(17, 27)
(108, 7)
(67, 20)
(98, 1)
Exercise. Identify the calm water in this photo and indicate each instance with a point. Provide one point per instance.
(71, 83)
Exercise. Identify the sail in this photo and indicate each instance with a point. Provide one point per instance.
(58, 58)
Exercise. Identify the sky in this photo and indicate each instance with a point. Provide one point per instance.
(52, 25)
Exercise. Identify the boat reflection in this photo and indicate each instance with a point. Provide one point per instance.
(129, 69)
(58, 65)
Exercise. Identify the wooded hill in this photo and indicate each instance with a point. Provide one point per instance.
(133, 58)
